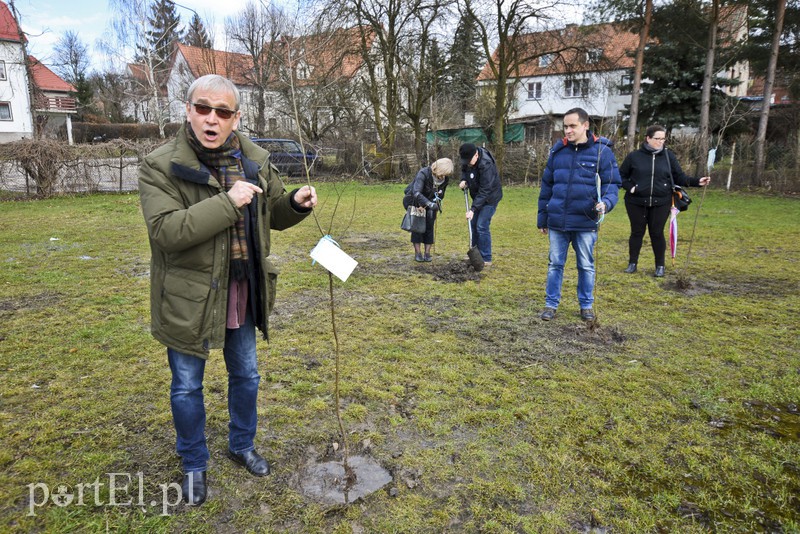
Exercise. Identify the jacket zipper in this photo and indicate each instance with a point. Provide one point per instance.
(652, 179)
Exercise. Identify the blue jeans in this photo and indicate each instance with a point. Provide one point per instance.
(481, 237)
(186, 397)
(583, 244)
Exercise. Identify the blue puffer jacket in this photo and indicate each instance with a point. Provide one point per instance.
(569, 186)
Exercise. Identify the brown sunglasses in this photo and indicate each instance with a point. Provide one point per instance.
(222, 113)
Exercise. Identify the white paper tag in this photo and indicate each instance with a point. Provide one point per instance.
(330, 256)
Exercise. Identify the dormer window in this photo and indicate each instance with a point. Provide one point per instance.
(546, 60)
(594, 55)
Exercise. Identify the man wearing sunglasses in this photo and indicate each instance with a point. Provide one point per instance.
(209, 199)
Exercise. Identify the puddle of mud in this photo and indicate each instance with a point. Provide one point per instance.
(325, 482)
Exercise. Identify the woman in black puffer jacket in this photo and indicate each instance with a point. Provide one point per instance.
(427, 190)
(646, 180)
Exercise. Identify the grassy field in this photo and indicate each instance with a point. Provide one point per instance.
(677, 413)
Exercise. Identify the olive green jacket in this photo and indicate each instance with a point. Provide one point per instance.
(188, 216)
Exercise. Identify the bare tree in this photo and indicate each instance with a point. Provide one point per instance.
(383, 26)
(417, 73)
(505, 22)
(761, 136)
(317, 85)
(131, 43)
(255, 32)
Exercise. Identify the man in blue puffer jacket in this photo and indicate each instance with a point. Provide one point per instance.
(579, 187)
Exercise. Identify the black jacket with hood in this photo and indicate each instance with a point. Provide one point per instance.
(649, 173)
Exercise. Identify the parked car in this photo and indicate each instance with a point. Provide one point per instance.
(287, 155)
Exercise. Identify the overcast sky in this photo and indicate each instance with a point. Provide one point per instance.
(46, 21)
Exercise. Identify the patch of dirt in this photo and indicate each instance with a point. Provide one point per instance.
(693, 286)
(30, 302)
(529, 340)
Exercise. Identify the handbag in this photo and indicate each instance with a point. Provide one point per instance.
(680, 198)
(414, 220)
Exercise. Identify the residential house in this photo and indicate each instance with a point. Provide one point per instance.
(322, 72)
(53, 105)
(589, 67)
(578, 66)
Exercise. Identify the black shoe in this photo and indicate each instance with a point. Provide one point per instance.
(427, 257)
(418, 257)
(631, 268)
(194, 488)
(659, 271)
(587, 314)
(547, 314)
(252, 461)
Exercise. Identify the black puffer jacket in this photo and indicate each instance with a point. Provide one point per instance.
(423, 190)
(648, 172)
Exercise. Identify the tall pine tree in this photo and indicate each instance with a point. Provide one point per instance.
(676, 65)
(196, 34)
(163, 32)
(465, 62)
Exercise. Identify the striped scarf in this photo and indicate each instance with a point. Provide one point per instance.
(225, 164)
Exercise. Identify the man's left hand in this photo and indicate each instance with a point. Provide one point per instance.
(600, 207)
(470, 214)
(306, 197)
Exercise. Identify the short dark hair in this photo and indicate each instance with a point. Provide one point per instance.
(583, 115)
(654, 129)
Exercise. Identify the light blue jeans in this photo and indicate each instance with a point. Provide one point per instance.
(186, 397)
(583, 244)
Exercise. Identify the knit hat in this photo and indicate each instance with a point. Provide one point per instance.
(466, 152)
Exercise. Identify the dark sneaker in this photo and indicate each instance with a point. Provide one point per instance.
(427, 257)
(547, 314)
(587, 314)
(418, 257)
(631, 268)
(659, 271)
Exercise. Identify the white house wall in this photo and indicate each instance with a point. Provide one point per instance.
(603, 100)
(14, 90)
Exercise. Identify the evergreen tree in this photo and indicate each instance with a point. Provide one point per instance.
(465, 61)
(676, 66)
(163, 32)
(196, 34)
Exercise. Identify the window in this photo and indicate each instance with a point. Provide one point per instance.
(576, 88)
(3, 70)
(534, 90)
(594, 55)
(546, 60)
(626, 84)
(5, 111)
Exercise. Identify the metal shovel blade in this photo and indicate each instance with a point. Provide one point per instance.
(474, 255)
(475, 259)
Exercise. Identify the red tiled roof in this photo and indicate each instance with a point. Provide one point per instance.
(569, 45)
(9, 31)
(47, 80)
(204, 61)
(336, 54)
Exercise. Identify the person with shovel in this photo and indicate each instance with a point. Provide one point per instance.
(479, 174)
(427, 190)
(579, 186)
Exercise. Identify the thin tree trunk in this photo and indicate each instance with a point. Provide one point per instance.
(761, 137)
(637, 76)
(708, 81)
